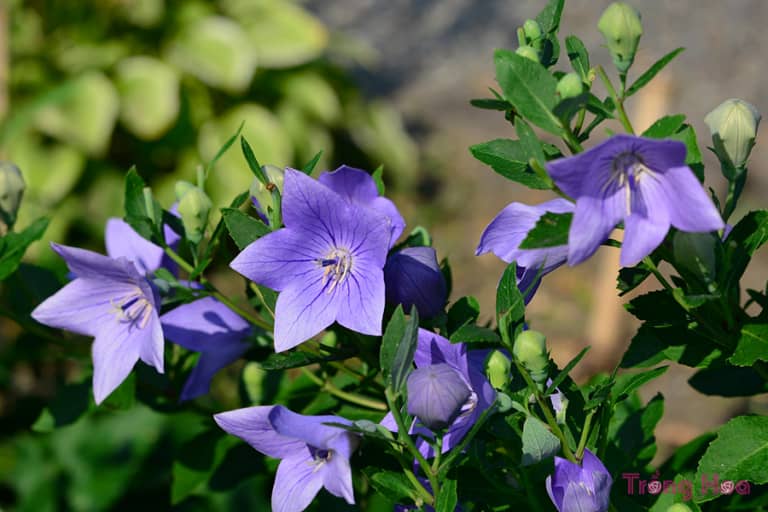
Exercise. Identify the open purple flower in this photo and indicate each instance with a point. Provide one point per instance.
(507, 231)
(112, 301)
(358, 186)
(327, 263)
(314, 455)
(413, 278)
(436, 394)
(211, 328)
(643, 182)
(580, 488)
(122, 240)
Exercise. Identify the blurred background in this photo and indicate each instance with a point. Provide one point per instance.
(90, 87)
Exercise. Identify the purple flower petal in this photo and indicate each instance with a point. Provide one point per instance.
(413, 278)
(576, 488)
(297, 482)
(252, 425)
(122, 241)
(337, 478)
(361, 306)
(208, 365)
(204, 325)
(312, 431)
(85, 263)
(593, 221)
(689, 206)
(302, 311)
(436, 394)
(578, 499)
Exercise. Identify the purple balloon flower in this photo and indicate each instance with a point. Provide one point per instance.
(314, 455)
(327, 263)
(643, 182)
(358, 186)
(436, 394)
(585, 488)
(112, 301)
(122, 240)
(211, 328)
(412, 277)
(507, 231)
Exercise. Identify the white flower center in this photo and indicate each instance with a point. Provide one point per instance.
(337, 265)
(134, 308)
(626, 171)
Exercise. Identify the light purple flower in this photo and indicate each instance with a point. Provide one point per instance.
(112, 301)
(642, 182)
(211, 328)
(327, 263)
(314, 455)
(433, 349)
(507, 231)
(412, 277)
(436, 394)
(580, 488)
(122, 240)
(359, 187)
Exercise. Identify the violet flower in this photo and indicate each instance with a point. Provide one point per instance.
(357, 186)
(327, 263)
(112, 301)
(412, 277)
(580, 488)
(642, 182)
(211, 328)
(436, 394)
(121, 240)
(507, 231)
(314, 455)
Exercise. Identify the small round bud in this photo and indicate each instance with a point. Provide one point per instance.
(261, 194)
(11, 191)
(181, 188)
(528, 52)
(498, 367)
(194, 208)
(733, 125)
(679, 507)
(436, 394)
(531, 350)
(569, 86)
(532, 31)
(621, 27)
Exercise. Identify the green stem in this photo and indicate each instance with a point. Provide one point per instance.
(735, 187)
(402, 433)
(585, 434)
(423, 493)
(459, 449)
(573, 144)
(619, 101)
(326, 385)
(260, 295)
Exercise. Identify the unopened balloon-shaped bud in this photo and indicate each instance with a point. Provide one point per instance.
(194, 208)
(679, 507)
(733, 125)
(531, 350)
(181, 188)
(533, 33)
(695, 252)
(11, 191)
(261, 194)
(528, 52)
(621, 27)
(569, 86)
(436, 394)
(498, 368)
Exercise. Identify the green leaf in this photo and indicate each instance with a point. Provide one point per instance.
(72, 401)
(577, 54)
(531, 144)
(722, 379)
(14, 245)
(538, 442)
(464, 311)
(508, 158)
(491, 104)
(223, 149)
(395, 486)
(746, 237)
(136, 213)
(378, 178)
(752, 345)
(446, 498)
(530, 88)
(651, 72)
(693, 158)
(398, 346)
(196, 461)
(474, 334)
(250, 158)
(551, 230)
(243, 228)
(510, 305)
(740, 452)
(297, 359)
(565, 371)
(665, 127)
(310, 166)
(549, 17)
(628, 383)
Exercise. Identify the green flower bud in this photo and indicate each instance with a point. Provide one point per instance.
(531, 350)
(11, 191)
(181, 188)
(696, 253)
(261, 193)
(733, 125)
(498, 367)
(532, 32)
(679, 507)
(569, 86)
(194, 208)
(621, 28)
(528, 52)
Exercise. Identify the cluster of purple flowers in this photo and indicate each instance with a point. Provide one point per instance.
(333, 261)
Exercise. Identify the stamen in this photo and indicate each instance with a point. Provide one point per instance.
(627, 169)
(134, 308)
(337, 266)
